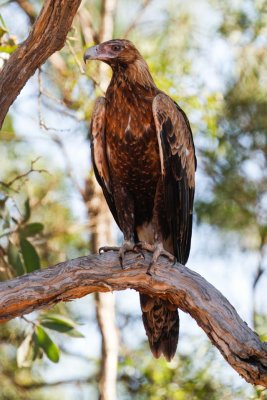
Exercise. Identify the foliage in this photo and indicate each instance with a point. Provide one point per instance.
(182, 379)
(236, 161)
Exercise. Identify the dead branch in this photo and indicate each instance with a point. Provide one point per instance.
(137, 17)
(47, 36)
(240, 346)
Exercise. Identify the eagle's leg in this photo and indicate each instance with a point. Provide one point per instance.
(125, 210)
(159, 247)
(128, 245)
(158, 250)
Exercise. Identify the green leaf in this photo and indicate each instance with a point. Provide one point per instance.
(27, 209)
(3, 31)
(62, 324)
(31, 229)
(30, 256)
(14, 259)
(2, 22)
(44, 341)
(24, 352)
(7, 48)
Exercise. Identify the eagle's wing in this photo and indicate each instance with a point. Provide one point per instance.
(98, 153)
(178, 165)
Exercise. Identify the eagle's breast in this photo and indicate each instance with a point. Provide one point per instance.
(132, 146)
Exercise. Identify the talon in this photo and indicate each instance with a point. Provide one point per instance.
(127, 246)
(139, 250)
(121, 261)
(157, 250)
(149, 269)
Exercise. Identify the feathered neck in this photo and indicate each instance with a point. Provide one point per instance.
(136, 73)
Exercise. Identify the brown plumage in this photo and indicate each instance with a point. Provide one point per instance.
(144, 159)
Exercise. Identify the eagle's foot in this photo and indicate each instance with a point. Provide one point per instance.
(127, 246)
(157, 250)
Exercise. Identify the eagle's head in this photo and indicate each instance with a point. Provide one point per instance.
(114, 52)
(125, 60)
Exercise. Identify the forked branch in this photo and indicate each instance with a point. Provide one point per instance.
(47, 36)
(239, 345)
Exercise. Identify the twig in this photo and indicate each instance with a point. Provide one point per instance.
(69, 167)
(28, 9)
(9, 184)
(137, 18)
(81, 69)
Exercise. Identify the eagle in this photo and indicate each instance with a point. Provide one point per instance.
(144, 159)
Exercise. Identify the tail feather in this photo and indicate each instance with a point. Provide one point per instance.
(161, 322)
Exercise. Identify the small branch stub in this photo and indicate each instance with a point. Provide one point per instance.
(240, 346)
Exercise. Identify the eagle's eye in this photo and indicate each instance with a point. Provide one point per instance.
(116, 47)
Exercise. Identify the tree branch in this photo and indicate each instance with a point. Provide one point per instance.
(47, 36)
(239, 345)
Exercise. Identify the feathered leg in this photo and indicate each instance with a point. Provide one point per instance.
(125, 206)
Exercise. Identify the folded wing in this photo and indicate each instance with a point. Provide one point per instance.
(178, 165)
(99, 153)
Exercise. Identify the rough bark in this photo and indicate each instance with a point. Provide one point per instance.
(239, 345)
(47, 36)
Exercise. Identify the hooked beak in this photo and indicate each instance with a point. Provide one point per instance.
(91, 54)
(98, 52)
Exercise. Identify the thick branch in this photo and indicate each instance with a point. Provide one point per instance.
(47, 36)
(239, 345)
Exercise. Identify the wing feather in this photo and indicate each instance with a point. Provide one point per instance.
(99, 155)
(178, 165)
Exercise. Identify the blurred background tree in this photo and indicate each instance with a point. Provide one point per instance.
(211, 58)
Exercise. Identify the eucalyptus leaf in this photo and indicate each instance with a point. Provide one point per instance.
(45, 342)
(30, 256)
(27, 209)
(9, 49)
(62, 324)
(2, 22)
(14, 259)
(31, 229)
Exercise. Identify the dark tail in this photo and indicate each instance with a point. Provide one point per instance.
(161, 321)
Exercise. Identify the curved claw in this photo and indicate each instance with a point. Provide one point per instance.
(157, 250)
(139, 250)
(127, 246)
